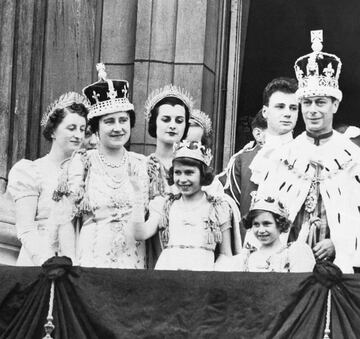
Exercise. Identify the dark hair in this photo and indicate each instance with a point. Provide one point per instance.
(284, 85)
(155, 111)
(282, 223)
(58, 116)
(94, 122)
(206, 172)
(259, 121)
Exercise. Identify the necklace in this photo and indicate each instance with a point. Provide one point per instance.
(111, 164)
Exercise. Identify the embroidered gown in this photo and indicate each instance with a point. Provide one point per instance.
(189, 237)
(38, 179)
(102, 205)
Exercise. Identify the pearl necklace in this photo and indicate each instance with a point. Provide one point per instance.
(111, 164)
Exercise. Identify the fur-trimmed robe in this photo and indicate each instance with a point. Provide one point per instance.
(287, 173)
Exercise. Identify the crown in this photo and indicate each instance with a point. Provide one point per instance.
(107, 96)
(270, 204)
(165, 92)
(193, 150)
(65, 100)
(202, 119)
(318, 72)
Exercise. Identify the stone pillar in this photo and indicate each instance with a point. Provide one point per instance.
(176, 42)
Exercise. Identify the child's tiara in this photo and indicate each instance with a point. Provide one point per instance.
(193, 150)
(270, 204)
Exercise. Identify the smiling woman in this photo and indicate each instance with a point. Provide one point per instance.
(31, 183)
(94, 201)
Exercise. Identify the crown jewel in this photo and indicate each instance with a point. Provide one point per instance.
(270, 204)
(318, 72)
(167, 91)
(107, 96)
(193, 150)
(65, 100)
(202, 119)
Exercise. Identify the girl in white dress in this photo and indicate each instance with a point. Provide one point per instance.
(32, 183)
(268, 218)
(192, 223)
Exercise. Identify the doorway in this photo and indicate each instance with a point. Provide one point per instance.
(277, 32)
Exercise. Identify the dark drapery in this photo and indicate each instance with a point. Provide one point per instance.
(107, 303)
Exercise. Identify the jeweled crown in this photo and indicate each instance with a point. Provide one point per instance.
(107, 96)
(65, 100)
(270, 204)
(318, 72)
(202, 119)
(193, 150)
(167, 91)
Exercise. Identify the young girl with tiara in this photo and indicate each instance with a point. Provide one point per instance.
(267, 219)
(191, 224)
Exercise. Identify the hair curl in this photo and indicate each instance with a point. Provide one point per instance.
(284, 85)
(58, 116)
(94, 122)
(206, 172)
(155, 111)
(282, 223)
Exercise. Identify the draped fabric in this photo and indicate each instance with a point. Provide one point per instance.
(114, 303)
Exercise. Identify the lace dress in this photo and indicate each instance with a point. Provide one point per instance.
(102, 205)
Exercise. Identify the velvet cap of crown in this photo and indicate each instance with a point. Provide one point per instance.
(194, 150)
(318, 72)
(201, 119)
(107, 96)
(269, 204)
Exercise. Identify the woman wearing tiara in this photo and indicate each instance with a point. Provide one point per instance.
(167, 111)
(200, 128)
(94, 200)
(31, 183)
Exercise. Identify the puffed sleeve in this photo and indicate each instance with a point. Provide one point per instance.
(24, 180)
(301, 257)
(224, 214)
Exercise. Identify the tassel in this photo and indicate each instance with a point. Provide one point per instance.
(84, 206)
(211, 239)
(165, 236)
(61, 190)
(217, 235)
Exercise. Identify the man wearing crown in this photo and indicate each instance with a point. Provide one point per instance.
(318, 174)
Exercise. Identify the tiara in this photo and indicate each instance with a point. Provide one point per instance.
(65, 100)
(167, 91)
(201, 119)
(270, 204)
(193, 150)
